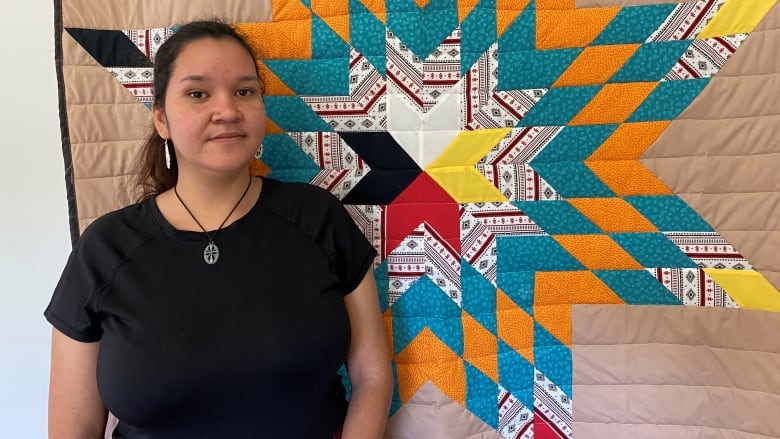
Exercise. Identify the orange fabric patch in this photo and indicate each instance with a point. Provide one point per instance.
(629, 141)
(290, 10)
(571, 287)
(554, 292)
(279, 40)
(597, 252)
(258, 167)
(335, 14)
(515, 326)
(559, 29)
(556, 319)
(428, 358)
(272, 128)
(422, 3)
(377, 7)
(271, 83)
(555, 4)
(628, 177)
(480, 347)
(596, 64)
(507, 12)
(614, 103)
(464, 8)
(613, 215)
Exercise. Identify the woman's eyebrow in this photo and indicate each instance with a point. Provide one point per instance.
(245, 78)
(193, 78)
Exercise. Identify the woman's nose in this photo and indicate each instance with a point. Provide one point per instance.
(226, 109)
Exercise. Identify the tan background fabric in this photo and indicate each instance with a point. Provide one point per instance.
(421, 417)
(721, 155)
(675, 372)
(141, 14)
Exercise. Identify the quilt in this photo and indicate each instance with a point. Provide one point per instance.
(575, 204)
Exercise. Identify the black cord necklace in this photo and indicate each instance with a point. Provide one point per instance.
(211, 252)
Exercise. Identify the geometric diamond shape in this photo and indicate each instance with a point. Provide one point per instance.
(598, 252)
(651, 62)
(634, 24)
(557, 217)
(653, 250)
(612, 215)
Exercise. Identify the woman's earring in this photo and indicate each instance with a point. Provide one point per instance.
(259, 152)
(167, 155)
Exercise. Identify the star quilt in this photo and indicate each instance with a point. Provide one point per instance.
(575, 204)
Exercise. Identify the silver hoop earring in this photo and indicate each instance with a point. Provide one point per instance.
(167, 155)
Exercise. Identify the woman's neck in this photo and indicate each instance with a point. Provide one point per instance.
(209, 201)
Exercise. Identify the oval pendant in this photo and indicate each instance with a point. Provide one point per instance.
(211, 253)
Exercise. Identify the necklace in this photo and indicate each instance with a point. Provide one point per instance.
(211, 252)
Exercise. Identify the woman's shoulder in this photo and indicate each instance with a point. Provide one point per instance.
(128, 225)
(298, 193)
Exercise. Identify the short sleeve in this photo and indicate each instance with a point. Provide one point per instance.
(70, 309)
(352, 253)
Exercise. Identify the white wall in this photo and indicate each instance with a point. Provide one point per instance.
(34, 237)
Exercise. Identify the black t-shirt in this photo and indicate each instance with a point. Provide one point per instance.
(248, 347)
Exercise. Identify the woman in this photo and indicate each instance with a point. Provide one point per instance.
(221, 305)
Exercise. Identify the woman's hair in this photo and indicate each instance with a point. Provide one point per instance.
(153, 176)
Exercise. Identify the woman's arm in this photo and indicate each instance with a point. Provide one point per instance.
(368, 364)
(75, 408)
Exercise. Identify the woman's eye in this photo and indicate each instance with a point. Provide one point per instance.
(244, 92)
(196, 94)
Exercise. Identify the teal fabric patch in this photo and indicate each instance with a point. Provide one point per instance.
(637, 287)
(298, 175)
(540, 69)
(522, 253)
(668, 100)
(425, 305)
(573, 180)
(520, 36)
(316, 77)
(345, 381)
(559, 105)
(367, 35)
(517, 285)
(552, 358)
(422, 30)
(293, 115)
(382, 279)
(481, 394)
(634, 24)
(515, 374)
(478, 32)
(574, 143)
(282, 154)
(669, 213)
(651, 62)
(653, 250)
(557, 217)
(478, 297)
(326, 44)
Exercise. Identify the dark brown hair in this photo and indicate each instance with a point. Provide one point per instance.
(153, 176)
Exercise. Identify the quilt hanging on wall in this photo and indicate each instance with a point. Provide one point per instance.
(575, 203)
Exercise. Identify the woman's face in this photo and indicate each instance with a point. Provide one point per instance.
(213, 111)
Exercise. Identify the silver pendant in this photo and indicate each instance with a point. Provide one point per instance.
(211, 253)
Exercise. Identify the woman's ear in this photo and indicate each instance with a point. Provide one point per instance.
(160, 122)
